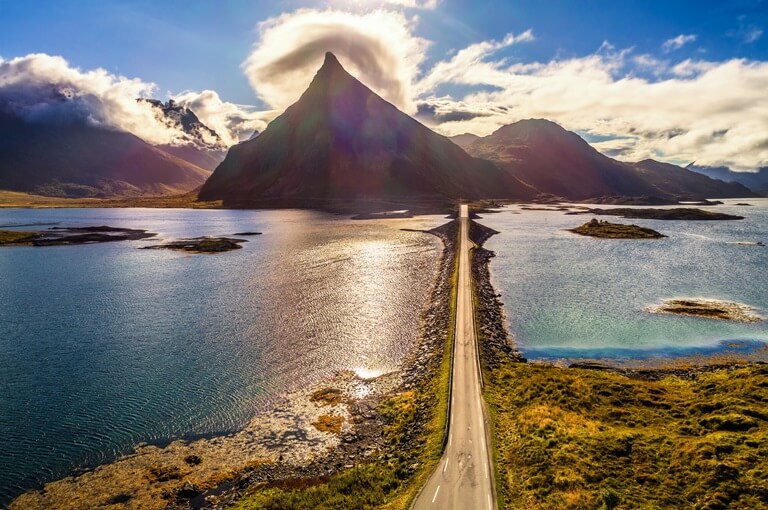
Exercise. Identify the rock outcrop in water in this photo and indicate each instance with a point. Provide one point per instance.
(708, 308)
(59, 236)
(677, 213)
(605, 230)
(200, 245)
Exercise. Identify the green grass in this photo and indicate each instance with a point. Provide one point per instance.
(570, 438)
(388, 481)
(14, 236)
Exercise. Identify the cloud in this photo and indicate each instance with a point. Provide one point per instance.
(752, 34)
(379, 47)
(711, 112)
(232, 122)
(677, 42)
(47, 89)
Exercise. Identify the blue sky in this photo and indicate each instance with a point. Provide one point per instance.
(197, 45)
(678, 81)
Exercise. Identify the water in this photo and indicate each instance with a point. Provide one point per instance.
(105, 346)
(567, 295)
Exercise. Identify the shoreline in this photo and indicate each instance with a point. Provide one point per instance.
(500, 345)
(304, 440)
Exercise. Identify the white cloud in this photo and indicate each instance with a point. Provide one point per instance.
(752, 34)
(677, 42)
(379, 47)
(45, 88)
(232, 122)
(715, 113)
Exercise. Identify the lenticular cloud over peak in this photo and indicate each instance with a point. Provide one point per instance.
(379, 47)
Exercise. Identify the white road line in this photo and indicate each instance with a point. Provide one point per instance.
(446, 464)
(490, 505)
(435, 496)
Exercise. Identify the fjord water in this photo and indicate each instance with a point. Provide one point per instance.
(104, 346)
(569, 296)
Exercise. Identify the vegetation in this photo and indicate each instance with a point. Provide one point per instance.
(572, 438)
(605, 230)
(330, 423)
(16, 237)
(415, 424)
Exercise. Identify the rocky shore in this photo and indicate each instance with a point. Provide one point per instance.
(497, 344)
(309, 436)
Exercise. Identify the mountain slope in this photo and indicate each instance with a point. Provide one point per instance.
(556, 161)
(342, 141)
(76, 160)
(464, 140)
(679, 180)
(756, 181)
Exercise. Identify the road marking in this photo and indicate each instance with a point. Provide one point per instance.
(435, 496)
(446, 464)
(486, 470)
(490, 505)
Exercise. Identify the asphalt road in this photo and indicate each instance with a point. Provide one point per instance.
(464, 477)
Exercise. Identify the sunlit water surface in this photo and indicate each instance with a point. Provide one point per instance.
(569, 296)
(105, 346)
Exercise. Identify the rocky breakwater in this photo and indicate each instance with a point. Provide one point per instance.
(496, 344)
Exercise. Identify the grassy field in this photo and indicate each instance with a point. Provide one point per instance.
(187, 201)
(573, 439)
(413, 447)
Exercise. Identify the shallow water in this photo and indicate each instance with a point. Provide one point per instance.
(105, 346)
(570, 296)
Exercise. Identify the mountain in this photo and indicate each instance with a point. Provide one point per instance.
(78, 160)
(199, 144)
(756, 181)
(342, 141)
(464, 140)
(682, 181)
(559, 162)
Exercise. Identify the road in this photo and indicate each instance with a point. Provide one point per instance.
(464, 477)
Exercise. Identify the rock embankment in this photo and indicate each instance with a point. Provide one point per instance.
(496, 344)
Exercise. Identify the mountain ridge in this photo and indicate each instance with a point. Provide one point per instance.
(354, 144)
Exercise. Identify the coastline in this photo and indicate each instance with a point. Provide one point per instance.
(685, 434)
(303, 441)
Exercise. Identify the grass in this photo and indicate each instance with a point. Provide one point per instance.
(15, 236)
(415, 422)
(571, 438)
(326, 397)
(330, 423)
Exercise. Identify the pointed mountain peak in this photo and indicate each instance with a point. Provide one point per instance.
(331, 60)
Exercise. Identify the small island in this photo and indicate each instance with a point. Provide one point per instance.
(605, 230)
(58, 236)
(200, 245)
(708, 308)
(679, 213)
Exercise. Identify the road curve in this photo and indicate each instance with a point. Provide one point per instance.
(464, 477)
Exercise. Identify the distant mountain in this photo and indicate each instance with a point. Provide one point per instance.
(559, 162)
(756, 181)
(464, 140)
(680, 181)
(78, 160)
(200, 145)
(342, 141)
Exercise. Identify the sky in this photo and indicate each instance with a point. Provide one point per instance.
(678, 81)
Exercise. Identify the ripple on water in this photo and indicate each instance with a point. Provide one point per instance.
(112, 346)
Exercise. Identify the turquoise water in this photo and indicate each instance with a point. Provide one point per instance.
(105, 346)
(567, 295)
